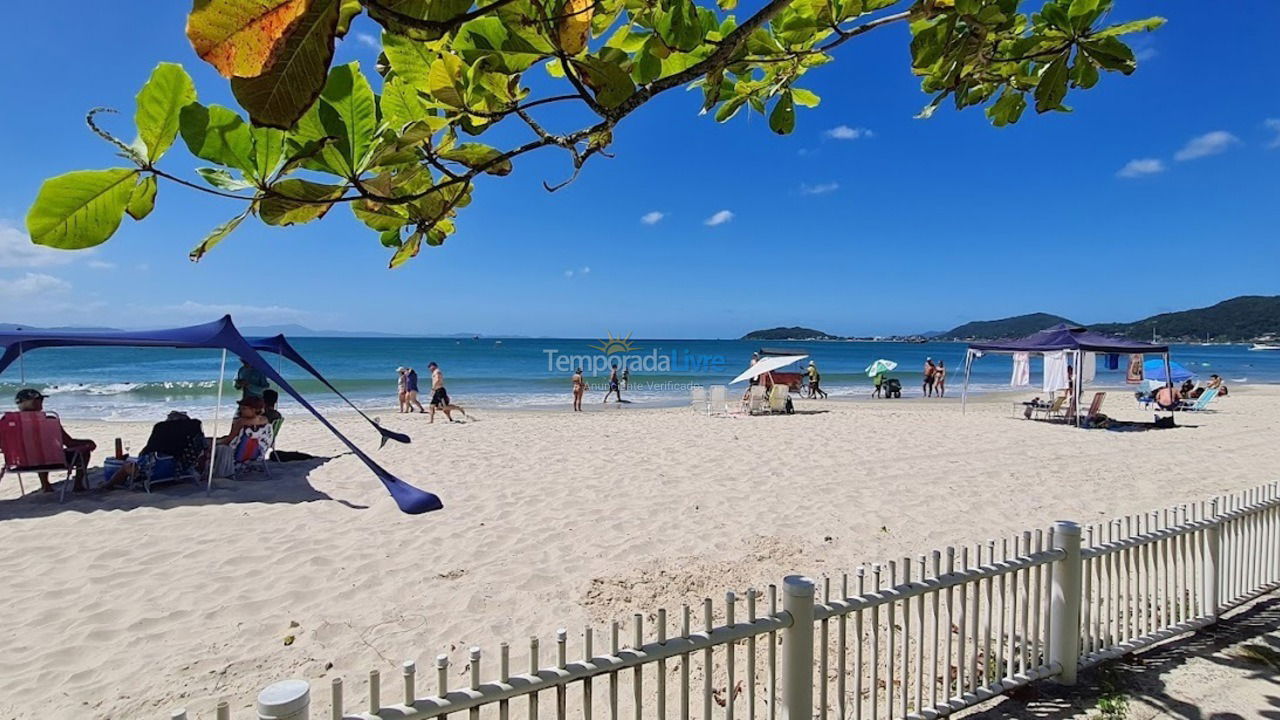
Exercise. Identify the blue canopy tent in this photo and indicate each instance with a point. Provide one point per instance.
(223, 335)
(1074, 340)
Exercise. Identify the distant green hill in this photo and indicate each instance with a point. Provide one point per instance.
(788, 333)
(1003, 328)
(1236, 320)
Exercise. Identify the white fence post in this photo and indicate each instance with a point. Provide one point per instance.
(797, 649)
(285, 700)
(1064, 610)
(1212, 563)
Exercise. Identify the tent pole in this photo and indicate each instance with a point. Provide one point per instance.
(22, 367)
(217, 410)
(964, 392)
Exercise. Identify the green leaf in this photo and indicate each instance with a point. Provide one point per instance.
(1084, 74)
(612, 84)
(143, 198)
(1052, 87)
(347, 11)
(1007, 109)
(783, 118)
(409, 58)
(276, 210)
(80, 209)
(296, 73)
(380, 216)
(168, 90)
(218, 135)
(444, 81)
(218, 235)
(222, 179)
(408, 249)
(1111, 54)
(390, 238)
(475, 155)
(1134, 26)
(805, 97)
(1080, 8)
(400, 103)
(730, 108)
(348, 113)
(268, 149)
(488, 37)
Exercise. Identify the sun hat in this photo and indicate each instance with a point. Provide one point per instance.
(401, 369)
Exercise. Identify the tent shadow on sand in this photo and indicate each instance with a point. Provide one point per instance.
(289, 483)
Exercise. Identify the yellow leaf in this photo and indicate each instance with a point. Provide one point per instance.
(238, 37)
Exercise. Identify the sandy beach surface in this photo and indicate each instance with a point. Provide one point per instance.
(124, 604)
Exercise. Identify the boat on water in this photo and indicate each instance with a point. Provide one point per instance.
(1265, 346)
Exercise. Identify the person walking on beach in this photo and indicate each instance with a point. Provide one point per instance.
(411, 391)
(401, 380)
(579, 389)
(940, 378)
(613, 385)
(250, 381)
(440, 396)
(814, 379)
(929, 370)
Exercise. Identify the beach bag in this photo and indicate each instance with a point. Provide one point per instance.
(224, 461)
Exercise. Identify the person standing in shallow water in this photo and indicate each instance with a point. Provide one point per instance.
(579, 389)
(929, 370)
(940, 378)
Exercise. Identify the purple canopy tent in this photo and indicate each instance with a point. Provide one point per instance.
(222, 334)
(1071, 339)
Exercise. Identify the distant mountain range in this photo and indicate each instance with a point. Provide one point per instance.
(1240, 319)
(788, 333)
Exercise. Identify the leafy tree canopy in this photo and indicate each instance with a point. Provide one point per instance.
(404, 157)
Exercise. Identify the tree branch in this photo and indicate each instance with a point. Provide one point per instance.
(441, 26)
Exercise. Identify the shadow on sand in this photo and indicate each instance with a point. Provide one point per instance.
(288, 483)
(1143, 678)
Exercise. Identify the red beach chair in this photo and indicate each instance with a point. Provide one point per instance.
(32, 442)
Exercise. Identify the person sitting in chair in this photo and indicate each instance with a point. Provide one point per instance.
(250, 416)
(177, 436)
(77, 450)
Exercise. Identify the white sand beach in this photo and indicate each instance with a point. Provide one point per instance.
(124, 604)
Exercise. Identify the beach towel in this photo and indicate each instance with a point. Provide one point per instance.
(1113, 361)
(1021, 370)
(1090, 369)
(1055, 371)
(1134, 374)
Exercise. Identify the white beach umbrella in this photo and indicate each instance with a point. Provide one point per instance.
(767, 365)
(880, 366)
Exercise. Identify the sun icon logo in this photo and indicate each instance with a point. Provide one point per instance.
(615, 345)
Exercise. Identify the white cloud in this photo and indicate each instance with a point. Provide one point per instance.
(844, 132)
(369, 41)
(1145, 54)
(1210, 143)
(719, 218)
(652, 218)
(819, 189)
(1274, 125)
(568, 273)
(31, 286)
(142, 267)
(17, 250)
(243, 314)
(1141, 168)
(102, 265)
(585, 270)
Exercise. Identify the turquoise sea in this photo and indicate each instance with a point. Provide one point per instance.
(126, 383)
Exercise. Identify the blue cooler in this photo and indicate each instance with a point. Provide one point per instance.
(164, 469)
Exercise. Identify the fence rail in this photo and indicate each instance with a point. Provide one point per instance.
(916, 640)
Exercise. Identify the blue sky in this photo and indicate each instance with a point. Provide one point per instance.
(864, 221)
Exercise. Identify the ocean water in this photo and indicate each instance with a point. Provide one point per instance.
(128, 383)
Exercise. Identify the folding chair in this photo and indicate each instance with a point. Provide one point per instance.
(32, 443)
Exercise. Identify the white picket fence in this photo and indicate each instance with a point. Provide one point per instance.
(916, 640)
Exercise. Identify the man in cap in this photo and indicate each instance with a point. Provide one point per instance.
(814, 379)
(77, 451)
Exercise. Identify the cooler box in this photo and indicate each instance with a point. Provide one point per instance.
(164, 468)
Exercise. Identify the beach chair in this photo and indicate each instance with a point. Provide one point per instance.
(1202, 402)
(755, 402)
(32, 443)
(275, 436)
(719, 402)
(698, 399)
(778, 396)
(1051, 410)
(252, 448)
(1095, 408)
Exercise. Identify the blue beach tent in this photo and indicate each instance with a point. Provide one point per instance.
(1154, 370)
(223, 335)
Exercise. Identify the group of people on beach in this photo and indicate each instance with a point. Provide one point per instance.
(935, 377)
(619, 378)
(407, 391)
